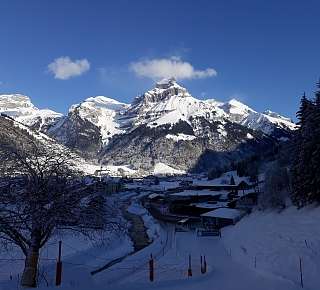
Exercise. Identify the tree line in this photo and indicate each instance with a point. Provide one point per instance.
(306, 163)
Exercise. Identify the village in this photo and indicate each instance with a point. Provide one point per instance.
(192, 202)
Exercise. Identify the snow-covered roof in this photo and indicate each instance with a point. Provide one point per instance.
(154, 195)
(227, 213)
(198, 193)
(209, 205)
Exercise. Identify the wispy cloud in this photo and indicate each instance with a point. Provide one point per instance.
(64, 68)
(159, 68)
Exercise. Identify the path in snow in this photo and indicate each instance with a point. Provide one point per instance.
(137, 230)
(171, 269)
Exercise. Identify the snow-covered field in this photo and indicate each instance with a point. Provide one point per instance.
(79, 255)
(274, 242)
(164, 169)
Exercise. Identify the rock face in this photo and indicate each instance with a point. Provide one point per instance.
(78, 134)
(102, 112)
(168, 125)
(164, 125)
(22, 110)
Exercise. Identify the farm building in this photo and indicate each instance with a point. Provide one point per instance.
(221, 217)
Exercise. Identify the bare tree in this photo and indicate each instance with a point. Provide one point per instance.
(41, 192)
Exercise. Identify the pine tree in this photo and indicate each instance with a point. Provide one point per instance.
(315, 160)
(300, 168)
(305, 169)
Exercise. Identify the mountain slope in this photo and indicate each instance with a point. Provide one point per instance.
(168, 125)
(268, 122)
(21, 109)
(104, 113)
(164, 125)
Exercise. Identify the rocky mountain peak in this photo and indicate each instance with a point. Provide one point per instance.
(14, 102)
(166, 83)
(164, 91)
(21, 109)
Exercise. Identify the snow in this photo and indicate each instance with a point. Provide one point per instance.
(224, 179)
(164, 169)
(266, 121)
(277, 241)
(117, 169)
(103, 112)
(260, 252)
(210, 205)
(180, 136)
(22, 110)
(171, 264)
(79, 255)
(249, 136)
(167, 103)
(199, 193)
(238, 108)
(227, 213)
(111, 170)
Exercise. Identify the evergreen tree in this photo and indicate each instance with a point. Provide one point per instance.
(232, 182)
(305, 166)
(315, 160)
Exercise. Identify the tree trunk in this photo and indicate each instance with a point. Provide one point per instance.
(29, 276)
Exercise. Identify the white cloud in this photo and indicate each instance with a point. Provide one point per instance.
(159, 68)
(64, 68)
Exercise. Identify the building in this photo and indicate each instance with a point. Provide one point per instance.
(221, 217)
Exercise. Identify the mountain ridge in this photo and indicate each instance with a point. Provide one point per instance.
(159, 125)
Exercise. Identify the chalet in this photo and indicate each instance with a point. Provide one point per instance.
(221, 217)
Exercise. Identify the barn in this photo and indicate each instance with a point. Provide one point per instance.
(221, 217)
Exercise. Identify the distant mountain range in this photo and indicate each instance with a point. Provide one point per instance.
(165, 124)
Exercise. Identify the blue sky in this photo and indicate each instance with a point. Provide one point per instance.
(265, 53)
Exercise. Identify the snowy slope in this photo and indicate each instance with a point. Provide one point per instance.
(102, 112)
(21, 109)
(273, 242)
(168, 103)
(164, 169)
(265, 122)
(166, 124)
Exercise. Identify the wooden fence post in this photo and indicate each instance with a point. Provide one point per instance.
(189, 269)
(59, 266)
(151, 269)
(301, 275)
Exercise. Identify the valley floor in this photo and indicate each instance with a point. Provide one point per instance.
(261, 252)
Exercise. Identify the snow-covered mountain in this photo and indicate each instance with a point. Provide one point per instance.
(170, 103)
(104, 113)
(21, 109)
(166, 124)
(267, 122)
(169, 125)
